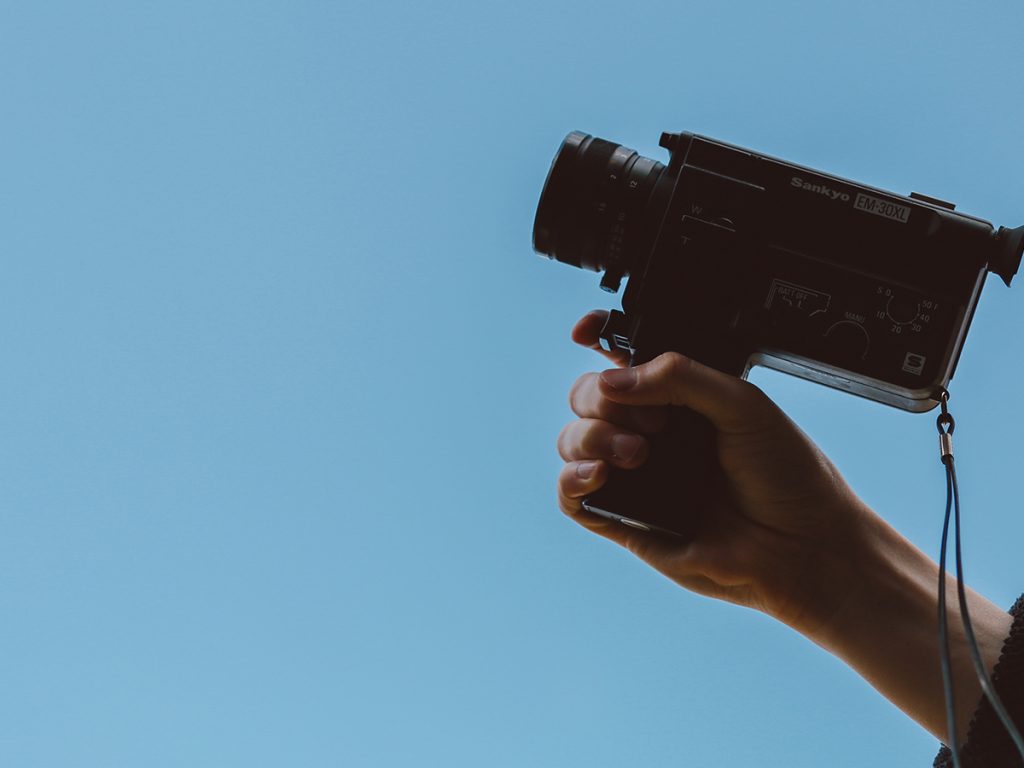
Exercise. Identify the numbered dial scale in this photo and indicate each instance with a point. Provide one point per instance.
(858, 325)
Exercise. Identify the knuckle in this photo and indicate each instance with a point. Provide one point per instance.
(585, 439)
(565, 440)
(578, 393)
(568, 506)
(605, 410)
(564, 480)
(674, 366)
(595, 439)
(568, 489)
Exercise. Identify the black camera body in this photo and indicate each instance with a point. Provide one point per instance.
(736, 259)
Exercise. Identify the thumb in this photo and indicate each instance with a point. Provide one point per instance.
(731, 404)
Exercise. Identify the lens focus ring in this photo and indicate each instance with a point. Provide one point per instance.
(592, 203)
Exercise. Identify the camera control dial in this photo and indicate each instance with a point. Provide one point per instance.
(902, 310)
(849, 339)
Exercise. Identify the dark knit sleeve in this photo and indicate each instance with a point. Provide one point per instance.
(988, 745)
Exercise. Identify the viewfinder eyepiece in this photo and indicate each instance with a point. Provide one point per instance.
(1010, 247)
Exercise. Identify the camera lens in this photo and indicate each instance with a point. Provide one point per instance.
(592, 208)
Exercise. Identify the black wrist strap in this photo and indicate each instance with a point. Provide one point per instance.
(988, 743)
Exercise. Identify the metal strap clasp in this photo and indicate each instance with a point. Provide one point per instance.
(945, 423)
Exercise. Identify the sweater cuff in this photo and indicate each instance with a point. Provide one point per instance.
(988, 744)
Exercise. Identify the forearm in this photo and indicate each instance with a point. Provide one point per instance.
(784, 534)
(884, 624)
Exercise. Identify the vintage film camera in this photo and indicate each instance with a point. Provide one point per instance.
(736, 259)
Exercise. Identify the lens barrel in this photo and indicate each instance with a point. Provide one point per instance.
(592, 209)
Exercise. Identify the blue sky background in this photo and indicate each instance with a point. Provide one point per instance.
(282, 377)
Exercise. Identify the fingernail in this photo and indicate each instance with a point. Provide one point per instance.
(619, 378)
(585, 469)
(626, 447)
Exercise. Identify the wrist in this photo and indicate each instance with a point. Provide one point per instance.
(877, 610)
(819, 581)
(885, 591)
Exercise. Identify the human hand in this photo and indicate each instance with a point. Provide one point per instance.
(775, 537)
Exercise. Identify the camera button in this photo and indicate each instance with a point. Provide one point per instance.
(933, 201)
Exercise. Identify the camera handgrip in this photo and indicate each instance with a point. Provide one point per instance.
(670, 492)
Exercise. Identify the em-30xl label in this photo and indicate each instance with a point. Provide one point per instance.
(884, 208)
